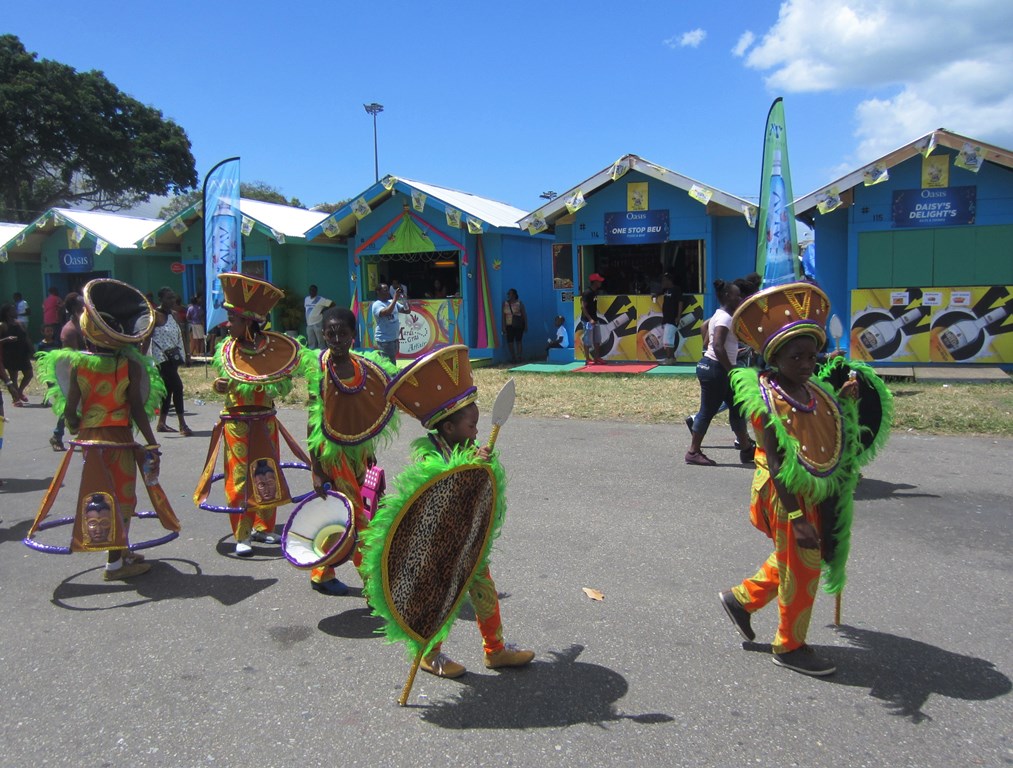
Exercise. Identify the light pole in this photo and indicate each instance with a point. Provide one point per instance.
(374, 109)
(550, 195)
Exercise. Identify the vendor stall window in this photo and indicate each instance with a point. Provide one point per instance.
(562, 266)
(432, 275)
(637, 269)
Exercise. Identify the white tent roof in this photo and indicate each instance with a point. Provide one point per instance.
(116, 229)
(289, 221)
(495, 213)
(9, 231)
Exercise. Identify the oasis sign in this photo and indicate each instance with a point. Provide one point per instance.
(934, 207)
(77, 260)
(636, 227)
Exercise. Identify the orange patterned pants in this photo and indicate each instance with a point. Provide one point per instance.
(791, 573)
(485, 601)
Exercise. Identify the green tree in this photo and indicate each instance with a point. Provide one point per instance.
(251, 190)
(73, 138)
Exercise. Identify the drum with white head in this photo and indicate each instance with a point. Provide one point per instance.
(320, 532)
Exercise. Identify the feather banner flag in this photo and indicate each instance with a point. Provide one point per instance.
(223, 243)
(776, 242)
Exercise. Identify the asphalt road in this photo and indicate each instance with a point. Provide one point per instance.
(213, 661)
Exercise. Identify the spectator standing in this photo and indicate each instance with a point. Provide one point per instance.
(22, 309)
(387, 324)
(195, 319)
(671, 311)
(515, 321)
(589, 318)
(17, 352)
(315, 306)
(166, 349)
(52, 310)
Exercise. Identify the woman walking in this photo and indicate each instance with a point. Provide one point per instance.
(515, 321)
(166, 349)
(712, 372)
(17, 351)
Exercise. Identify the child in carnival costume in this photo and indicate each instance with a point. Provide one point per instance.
(439, 391)
(349, 418)
(104, 391)
(808, 458)
(254, 368)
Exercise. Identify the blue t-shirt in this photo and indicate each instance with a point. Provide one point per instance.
(387, 328)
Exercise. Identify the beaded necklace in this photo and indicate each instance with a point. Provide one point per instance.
(357, 375)
(795, 404)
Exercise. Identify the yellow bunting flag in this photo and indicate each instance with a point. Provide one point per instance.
(388, 182)
(20, 239)
(178, 226)
(535, 224)
(418, 200)
(3, 256)
(749, 211)
(331, 227)
(77, 235)
(361, 209)
(874, 174)
(474, 226)
(453, 217)
(928, 145)
(829, 200)
(100, 245)
(575, 202)
(701, 194)
(619, 168)
(969, 158)
(149, 241)
(247, 226)
(199, 208)
(278, 236)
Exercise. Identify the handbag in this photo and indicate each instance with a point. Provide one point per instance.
(173, 355)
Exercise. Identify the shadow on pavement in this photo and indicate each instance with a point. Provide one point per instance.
(164, 581)
(904, 673)
(548, 693)
(16, 532)
(869, 489)
(14, 485)
(355, 623)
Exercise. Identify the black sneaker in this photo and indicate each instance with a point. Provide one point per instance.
(746, 454)
(740, 616)
(805, 660)
(266, 537)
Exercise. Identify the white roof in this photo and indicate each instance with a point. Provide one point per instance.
(495, 213)
(289, 221)
(9, 231)
(116, 229)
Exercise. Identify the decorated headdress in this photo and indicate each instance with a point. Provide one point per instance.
(248, 296)
(435, 386)
(115, 314)
(769, 319)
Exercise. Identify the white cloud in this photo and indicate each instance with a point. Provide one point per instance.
(919, 65)
(691, 39)
(745, 40)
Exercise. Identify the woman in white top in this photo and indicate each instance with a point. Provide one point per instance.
(712, 372)
(166, 349)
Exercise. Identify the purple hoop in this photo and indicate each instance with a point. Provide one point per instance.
(52, 549)
(238, 510)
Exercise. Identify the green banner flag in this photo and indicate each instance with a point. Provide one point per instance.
(776, 241)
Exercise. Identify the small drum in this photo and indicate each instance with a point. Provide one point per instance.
(320, 532)
(373, 487)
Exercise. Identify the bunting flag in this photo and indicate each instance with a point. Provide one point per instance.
(749, 212)
(474, 226)
(279, 237)
(57, 219)
(331, 228)
(575, 201)
(20, 239)
(453, 217)
(77, 235)
(148, 241)
(928, 145)
(42, 222)
(223, 243)
(418, 200)
(388, 182)
(246, 227)
(100, 245)
(486, 336)
(178, 226)
(535, 224)
(619, 168)
(874, 174)
(361, 209)
(969, 158)
(701, 194)
(199, 208)
(829, 200)
(3, 255)
(776, 243)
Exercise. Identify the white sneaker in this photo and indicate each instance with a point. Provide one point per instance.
(243, 548)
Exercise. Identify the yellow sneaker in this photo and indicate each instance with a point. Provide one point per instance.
(508, 656)
(442, 666)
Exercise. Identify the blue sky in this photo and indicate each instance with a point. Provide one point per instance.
(510, 100)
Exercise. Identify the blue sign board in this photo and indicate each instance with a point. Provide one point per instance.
(636, 227)
(934, 207)
(77, 260)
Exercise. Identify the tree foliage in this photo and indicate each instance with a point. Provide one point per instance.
(251, 190)
(70, 138)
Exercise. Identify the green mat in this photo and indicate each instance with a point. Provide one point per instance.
(548, 367)
(681, 369)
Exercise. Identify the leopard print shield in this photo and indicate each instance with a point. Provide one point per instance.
(435, 546)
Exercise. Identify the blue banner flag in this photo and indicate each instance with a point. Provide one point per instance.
(223, 243)
(776, 241)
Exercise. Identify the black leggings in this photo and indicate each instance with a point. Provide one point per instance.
(169, 372)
